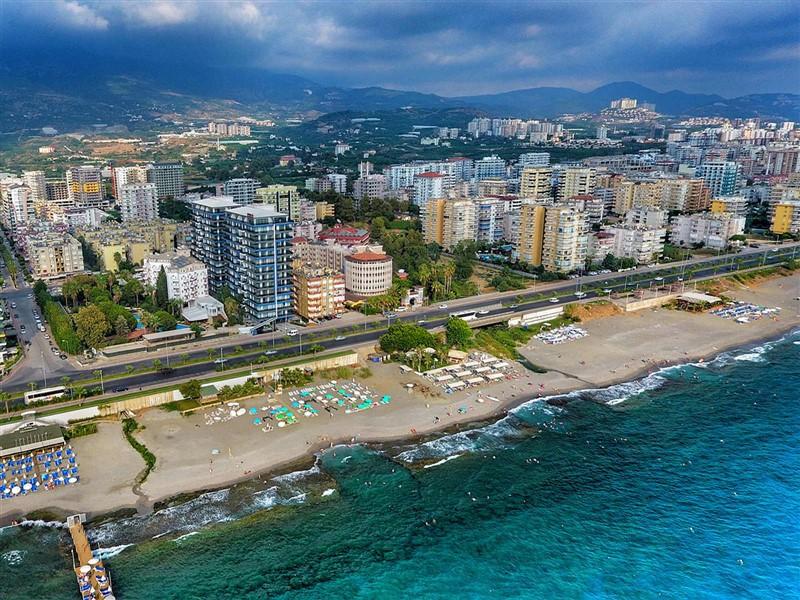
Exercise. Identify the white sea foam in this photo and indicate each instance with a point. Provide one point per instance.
(295, 476)
(750, 357)
(14, 557)
(328, 492)
(441, 462)
(41, 523)
(186, 536)
(110, 552)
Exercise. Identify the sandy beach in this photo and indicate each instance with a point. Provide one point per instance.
(192, 455)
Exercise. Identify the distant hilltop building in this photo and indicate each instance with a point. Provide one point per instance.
(624, 103)
(228, 129)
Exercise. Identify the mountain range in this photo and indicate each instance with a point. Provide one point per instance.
(38, 91)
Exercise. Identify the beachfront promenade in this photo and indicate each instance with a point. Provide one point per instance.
(431, 317)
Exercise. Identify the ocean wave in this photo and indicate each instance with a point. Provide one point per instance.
(441, 462)
(185, 536)
(42, 523)
(296, 476)
(110, 552)
(328, 492)
(750, 357)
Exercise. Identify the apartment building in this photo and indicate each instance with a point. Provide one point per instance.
(564, 243)
(124, 175)
(209, 238)
(449, 221)
(786, 217)
(138, 201)
(576, 181)
(536, 182)
(370, 186)
(85, 186)
(242, 190)
(428, 186)
(721, 177)
(707, 229)
(187, 278)
(168, 177)
(530, 236)
(35, 180)
(285, 198)
(258, 261)
(318, 293)
(684, 195)
(643, 244)
(52, 255)
(489, 226)
(327, 253)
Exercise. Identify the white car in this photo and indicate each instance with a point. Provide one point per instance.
(339, 338)
(553, 300)
(580, 294)
(483, 312)
(292, 332)
(270, 352)
(443, 306)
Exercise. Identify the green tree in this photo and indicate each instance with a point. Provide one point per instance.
(402, 337)
(4, 398)
(165, 320)
(162, 293)
(148, 320)
(197, 330)
(190, 389)
(458, 333)
(121, 326)
(92, 326)
(232, 310)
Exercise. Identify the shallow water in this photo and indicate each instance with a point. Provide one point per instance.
(684, 485)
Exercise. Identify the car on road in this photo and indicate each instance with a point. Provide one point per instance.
(16, 315)
(580, 294)
(62, 356)
(270, 352)
(292, 332)
(339, 338)
(607, 291)
(22, 328)
(421, 321)
(553, 300)
(443, 306)
(117, 390)
(483, 311)
(30, 295)
(220, 361)
(13, 305)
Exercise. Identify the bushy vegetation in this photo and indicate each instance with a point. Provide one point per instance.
(295, 377)
(458, 333)
(80, 430)
(129, 427)
(251, 387)
(60, 323)
(402, 337)
(507, 280)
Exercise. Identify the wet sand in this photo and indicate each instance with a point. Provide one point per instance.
(618, 349)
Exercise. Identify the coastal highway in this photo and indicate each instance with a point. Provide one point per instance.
(435, 316)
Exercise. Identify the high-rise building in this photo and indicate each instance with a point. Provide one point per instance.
(427, 186)
(721, 177)
(138, 201)
(564, 244)
(168, 177)
(602, 133)
(449, 221)
(786, 217)
(242, 189)
(684, 195)
(124, 175)
(318, 293)
(372, 186)
(338, 182)
(531, 233)
(258, 265)
(643, 244)
(733, 205)
(490, 213)
(285, 199)
(536, 182)
(209, 242)
(533, 159)
(489, 167)
(54, 255)
(782, 159)
(85, 185)
(17, 206)
(36, 182)
(57, 193)
(576, 181)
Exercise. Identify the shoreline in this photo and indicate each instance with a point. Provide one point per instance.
(305, 456)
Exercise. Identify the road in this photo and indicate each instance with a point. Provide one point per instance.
(39, 363)
(435, 316)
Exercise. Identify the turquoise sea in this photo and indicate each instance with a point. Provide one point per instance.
(683, 485)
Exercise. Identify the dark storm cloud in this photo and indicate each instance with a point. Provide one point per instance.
(445, 47)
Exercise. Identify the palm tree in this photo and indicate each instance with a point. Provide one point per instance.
(448, 270)
(184, 358)
(4, 397)
(65, 381)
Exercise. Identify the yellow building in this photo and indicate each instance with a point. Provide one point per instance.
(531, 232)
(536, 182)
(786, 217)
(285, 199)
(323, 210)
(317, 293)
(433, 221)
(449, 221)
(132, 240)
(565, 239)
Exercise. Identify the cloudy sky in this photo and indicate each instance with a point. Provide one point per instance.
(447, 47)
